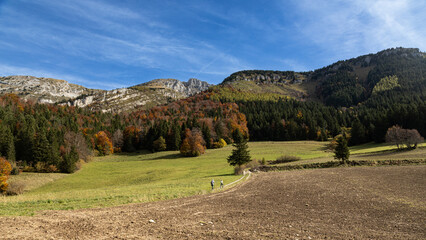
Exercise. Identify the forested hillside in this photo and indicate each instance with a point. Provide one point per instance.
(367, 95)
(50, 138)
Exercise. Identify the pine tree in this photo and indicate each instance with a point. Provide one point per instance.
(7, 143)
(207, 135)
(357, 133)
(159, 144)
(240, 155)
(342, 151)
(42, 148)
(68, 163)
(174, 139)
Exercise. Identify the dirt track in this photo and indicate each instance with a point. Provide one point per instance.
(341, 203)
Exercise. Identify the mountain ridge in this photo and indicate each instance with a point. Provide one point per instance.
(49, 90)
(343, 83)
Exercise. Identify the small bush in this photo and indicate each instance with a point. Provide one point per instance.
(285, 159)
(159, 144)
(42, 167)
(252, 164)
(79, 164)
(239, 170)
(28, 169)
(51, 168)
(15, 188)
(15, 171)
(220, 144)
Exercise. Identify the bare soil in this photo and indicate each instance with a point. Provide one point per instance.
(336, 203)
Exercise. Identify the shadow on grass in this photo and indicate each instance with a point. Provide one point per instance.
(221, 175)
(136, 153)
(169, 156)
(146, 155)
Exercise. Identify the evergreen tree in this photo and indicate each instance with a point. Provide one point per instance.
(207, 136)
(357, 133)
(240, 155)
(7, 143)
(68, 163)
(174, 139)
(342, 151)
(237, 136)
(159, 144)
(42, 148)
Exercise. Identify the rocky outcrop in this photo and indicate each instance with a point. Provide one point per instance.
(189, 88)
(194, 86)
(267, 77)
(125, 99)
(44, 90)
(48, 90)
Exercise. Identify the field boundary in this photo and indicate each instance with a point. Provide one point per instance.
(333, 164)
(241, 178)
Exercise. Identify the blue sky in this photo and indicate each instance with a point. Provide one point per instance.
(112, 44)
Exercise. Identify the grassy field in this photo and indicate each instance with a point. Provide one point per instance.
(142, 177)
(368, 151)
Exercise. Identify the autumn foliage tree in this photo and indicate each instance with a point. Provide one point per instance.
(5, 169)
(193, 145)
(103, 144)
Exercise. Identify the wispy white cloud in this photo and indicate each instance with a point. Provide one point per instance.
(145, 44)
(351, 27)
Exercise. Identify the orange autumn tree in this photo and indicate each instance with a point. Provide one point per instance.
(103, 144)
(5, 169)
(193, 145)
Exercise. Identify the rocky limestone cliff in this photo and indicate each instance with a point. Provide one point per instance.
(44, 90)
(48, 90)
(189, 88)
(125, 99)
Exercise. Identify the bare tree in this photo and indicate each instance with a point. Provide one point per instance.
(79, 142)
(117, 139)
(400, 137)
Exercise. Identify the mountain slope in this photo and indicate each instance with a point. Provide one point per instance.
(344, 83)
(146, 95)
(48, 90)
(44, 90)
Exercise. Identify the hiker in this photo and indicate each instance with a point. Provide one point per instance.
(212, 183)
(221, 183)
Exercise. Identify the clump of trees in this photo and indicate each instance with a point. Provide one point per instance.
(400, 137)
(386, 83)
(193, 145)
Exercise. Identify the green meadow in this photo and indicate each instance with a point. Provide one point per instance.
(143, 177)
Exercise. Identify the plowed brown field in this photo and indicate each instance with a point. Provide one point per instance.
(340, 203)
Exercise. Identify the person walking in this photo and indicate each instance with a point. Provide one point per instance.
(212, 183)
(221, 183)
